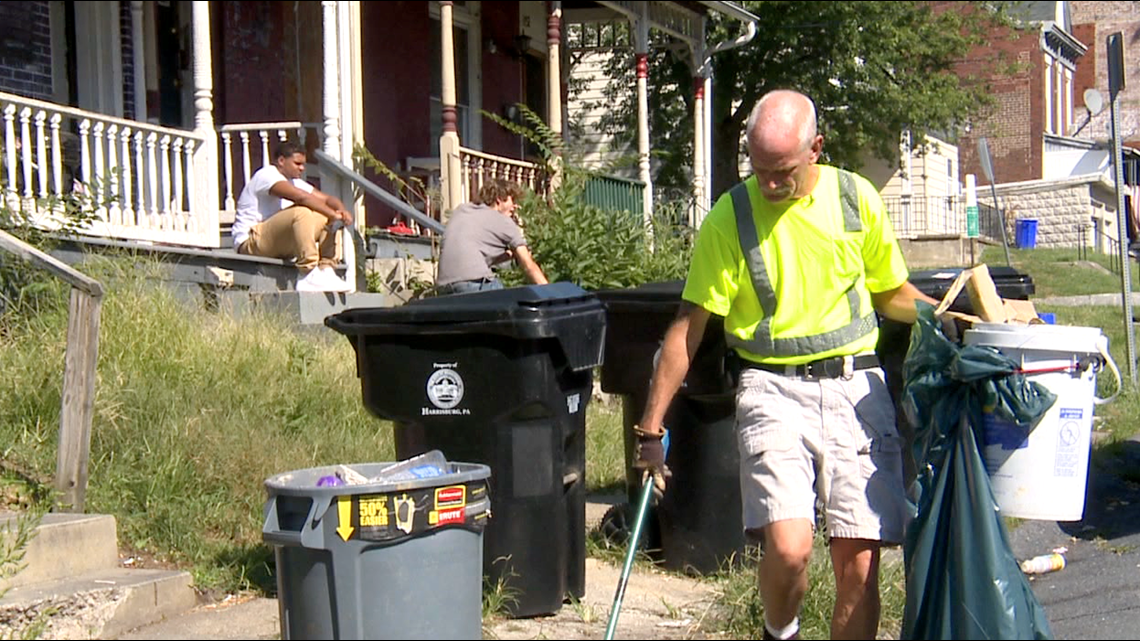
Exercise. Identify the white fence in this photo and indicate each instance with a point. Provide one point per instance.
(144, 182)
(245, 148)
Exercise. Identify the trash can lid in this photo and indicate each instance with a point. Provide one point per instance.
(650, 294)
(307, 482)
(529, 304)
(563, 311)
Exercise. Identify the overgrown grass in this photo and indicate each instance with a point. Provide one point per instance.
(193, 412)
(1064, 271)
(740, 612)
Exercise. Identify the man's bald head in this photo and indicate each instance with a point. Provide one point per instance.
(784, 145)
(782, 119)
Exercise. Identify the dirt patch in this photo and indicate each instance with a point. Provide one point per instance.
(656, 605)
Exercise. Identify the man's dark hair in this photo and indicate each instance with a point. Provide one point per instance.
(287, 149)
(497, 190)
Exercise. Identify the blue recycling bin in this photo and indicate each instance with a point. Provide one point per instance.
(1026, 233)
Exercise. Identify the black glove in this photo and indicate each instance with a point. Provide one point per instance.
(649, 456)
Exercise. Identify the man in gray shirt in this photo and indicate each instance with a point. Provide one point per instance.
(480, 235)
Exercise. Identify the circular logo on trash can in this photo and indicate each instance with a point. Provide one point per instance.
(445, 388)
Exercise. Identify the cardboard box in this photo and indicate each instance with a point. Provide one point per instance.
(988, 306)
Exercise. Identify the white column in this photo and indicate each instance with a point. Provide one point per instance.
(206, 201)
(138, 58)
(331, 143)
(554, 68)
(698, 151)
(707, 204)
(450, 169)
(641, 48)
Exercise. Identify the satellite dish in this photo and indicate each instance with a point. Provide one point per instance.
(1094, 102)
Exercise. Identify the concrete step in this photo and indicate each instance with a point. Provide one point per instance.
(309, 308)
(96, 605)
(65, 545)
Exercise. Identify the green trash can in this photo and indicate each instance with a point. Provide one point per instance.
(379, 560)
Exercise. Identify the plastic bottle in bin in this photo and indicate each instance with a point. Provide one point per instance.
(427, 465)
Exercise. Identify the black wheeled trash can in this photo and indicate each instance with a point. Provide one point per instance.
(698, 521)
(501, 378)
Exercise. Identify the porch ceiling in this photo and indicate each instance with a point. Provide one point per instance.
(681, 19)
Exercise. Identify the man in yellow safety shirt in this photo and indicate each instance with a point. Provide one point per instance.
(798, 258)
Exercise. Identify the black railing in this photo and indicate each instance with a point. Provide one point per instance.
(912, 217)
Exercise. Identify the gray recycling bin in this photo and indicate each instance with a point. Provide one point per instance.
(398, 560)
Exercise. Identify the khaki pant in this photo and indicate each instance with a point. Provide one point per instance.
(297, 232)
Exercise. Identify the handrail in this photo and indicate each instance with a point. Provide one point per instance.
(327, 161)
(64, 271)
(80, 360)
(135, 125)
(522, 164)
(258, 126)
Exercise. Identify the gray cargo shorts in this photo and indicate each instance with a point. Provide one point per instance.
(833, 440)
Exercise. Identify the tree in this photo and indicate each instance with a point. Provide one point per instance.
(874, 69)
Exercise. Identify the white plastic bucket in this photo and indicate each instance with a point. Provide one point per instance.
(1041, 474)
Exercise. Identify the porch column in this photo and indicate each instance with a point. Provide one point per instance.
(641, 52)
(207, 200)
(331, 76)
(698, 211)
(450, 171)
(138, 59)
(554, 84)
(331, 145)
(554, 68)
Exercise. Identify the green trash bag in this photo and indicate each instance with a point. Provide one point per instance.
(962, 580)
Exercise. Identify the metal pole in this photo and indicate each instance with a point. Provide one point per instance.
(642, 508)
(1122, 233)
(1001, 224)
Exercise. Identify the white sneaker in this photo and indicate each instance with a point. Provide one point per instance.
(333, 282)
(312, 282)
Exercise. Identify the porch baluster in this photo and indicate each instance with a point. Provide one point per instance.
(41, 154)
(99, 187)
(140, 167)
(152, 180)
(164, 154)
(125, 164)
(85, 153)
(26, 153)
(10, 147)
(192, 222)
(228, 168)
(179, 209)
(245, 155)
(265, 162)
(56, 155)
(115, 212)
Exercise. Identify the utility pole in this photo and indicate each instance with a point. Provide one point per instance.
(1115, 43)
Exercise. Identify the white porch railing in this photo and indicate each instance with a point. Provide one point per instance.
(145, 181)
(245, 148)
(476, 168)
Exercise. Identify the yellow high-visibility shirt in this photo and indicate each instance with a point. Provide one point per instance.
(811, 261)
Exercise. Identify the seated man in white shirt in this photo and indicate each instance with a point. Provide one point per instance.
(279, 215)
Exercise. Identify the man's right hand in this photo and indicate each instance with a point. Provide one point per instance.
(649, 456)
